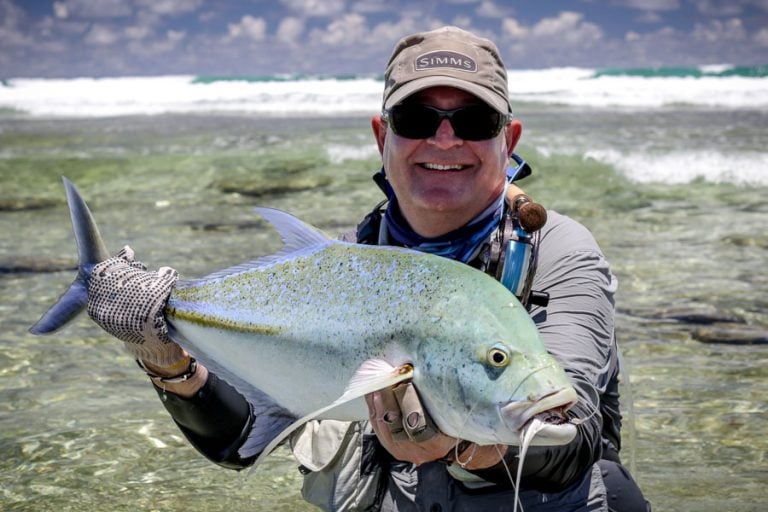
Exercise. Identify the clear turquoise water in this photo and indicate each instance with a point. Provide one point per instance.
(81, 429)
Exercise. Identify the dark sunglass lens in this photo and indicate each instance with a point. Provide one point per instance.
(414, 121)
(474, 122)
(477, 122)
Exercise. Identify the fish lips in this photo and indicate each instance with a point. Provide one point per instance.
(550, 409)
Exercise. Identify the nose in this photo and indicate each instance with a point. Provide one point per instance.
(444, 137)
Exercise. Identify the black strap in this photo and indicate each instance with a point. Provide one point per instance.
(368, 229)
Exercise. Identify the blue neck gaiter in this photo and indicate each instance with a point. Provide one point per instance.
(461, 244)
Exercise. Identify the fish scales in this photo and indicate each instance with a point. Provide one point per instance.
(338, 306)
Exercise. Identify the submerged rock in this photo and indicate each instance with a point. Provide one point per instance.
(760, 241)
(732, 334)
(35, 265)
(197, 225)
(703, 314)
(16, 204)
(259, 187)
(275, 175)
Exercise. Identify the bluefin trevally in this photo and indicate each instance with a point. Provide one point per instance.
(307, 332)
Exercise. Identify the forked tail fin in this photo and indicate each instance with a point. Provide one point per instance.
(90, 250)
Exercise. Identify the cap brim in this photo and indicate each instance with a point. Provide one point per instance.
(414, 86)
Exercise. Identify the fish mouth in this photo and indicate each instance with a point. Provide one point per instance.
(550, 409)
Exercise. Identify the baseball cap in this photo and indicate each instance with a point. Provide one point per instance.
(448, 56)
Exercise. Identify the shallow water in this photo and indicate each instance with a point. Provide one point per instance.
(81, 429)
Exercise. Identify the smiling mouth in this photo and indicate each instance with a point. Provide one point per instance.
(430, 166)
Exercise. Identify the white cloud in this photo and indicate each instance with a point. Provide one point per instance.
(564, 39)
(289, 30)
(489, 9)
(511, 28)
(10, 15)
(717, 31)
(101, 35)
(347, 30)
(60, 10)
(390, 33)
(137, 32)
(176, 35)
(711, 8)
(12, 35)
(649, 5)
(761, 37)
(316, 8)
(462, 21)
(167, 44)
(249, 27)
(171, 7)
(369, 6)
(567, 26)
(97, 8)
(650, 17)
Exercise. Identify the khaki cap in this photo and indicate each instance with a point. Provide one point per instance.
(448, 56)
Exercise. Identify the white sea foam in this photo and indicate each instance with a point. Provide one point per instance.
(106, 97)
(89, 97)
(338, 153)
(577, 87)
(682, 166)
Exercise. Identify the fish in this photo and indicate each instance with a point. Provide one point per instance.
(307, 332)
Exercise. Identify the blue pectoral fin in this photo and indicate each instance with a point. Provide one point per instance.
(90, 249)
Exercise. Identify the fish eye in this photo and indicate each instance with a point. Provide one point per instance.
(498, 356)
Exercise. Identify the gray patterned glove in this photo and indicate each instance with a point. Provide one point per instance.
(128, 302)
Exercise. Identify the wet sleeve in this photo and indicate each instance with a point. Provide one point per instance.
(577, 327)
(216, 421)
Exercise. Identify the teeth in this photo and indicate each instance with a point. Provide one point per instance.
(441, 167)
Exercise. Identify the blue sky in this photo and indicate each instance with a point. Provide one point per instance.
(69, 38)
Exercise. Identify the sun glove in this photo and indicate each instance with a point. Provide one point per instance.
(128, 302)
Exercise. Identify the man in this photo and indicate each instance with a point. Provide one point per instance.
(446, 136)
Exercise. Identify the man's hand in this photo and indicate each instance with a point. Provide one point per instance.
(408, 434)
(128, 302)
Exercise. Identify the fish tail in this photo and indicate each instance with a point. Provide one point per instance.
(91, 250)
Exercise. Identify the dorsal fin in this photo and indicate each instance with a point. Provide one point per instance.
(296, 233)
(298, 237)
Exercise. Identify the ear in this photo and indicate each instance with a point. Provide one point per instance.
(379, 131)
(512, 133)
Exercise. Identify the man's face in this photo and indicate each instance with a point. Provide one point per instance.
(443, 180)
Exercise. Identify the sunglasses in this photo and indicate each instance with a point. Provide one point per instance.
(418, 121)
